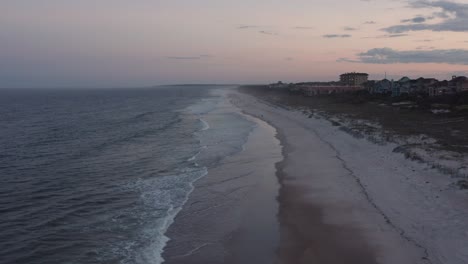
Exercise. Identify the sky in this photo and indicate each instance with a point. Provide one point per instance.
(119, 43)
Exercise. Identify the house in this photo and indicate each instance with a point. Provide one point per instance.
(395, 89)
(278, 85)
(382, 87)
(294, 88)
(417, 86)
(423, 86)
(311, 90)
(439, 88)
(403, 86)
(414, 84)
(358, 81)
(462, 86)
(369, 86)
(458, 84)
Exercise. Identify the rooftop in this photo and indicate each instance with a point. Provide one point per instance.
(355, 73)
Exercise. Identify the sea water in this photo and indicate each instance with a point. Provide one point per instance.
(98, 176)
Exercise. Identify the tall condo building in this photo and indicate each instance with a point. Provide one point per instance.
(354, 78)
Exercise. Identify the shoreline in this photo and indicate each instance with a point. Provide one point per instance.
(305, 237)
(402, 209)
(312, 230)
(230, 216)
(341, 199)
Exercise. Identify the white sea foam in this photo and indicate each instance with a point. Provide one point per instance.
(203, 107)
(206, 126)
(166, 196)
(155, 252)
(223, 132)
(194, 157)
(157, 248)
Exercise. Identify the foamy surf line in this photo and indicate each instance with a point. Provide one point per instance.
(194, 157)
(199, 109)
(169, 220)
(222, 132)
(235, 195)
(206, 126)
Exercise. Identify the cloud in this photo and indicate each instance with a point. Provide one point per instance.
(390, 56)
(387, 36)
(418, 19)
(199, 57)
(337, 36)
(346, 60)
(395, 35)
(425, 48)
(304, 27)
(261, 29)
(370, 22)
(246, 26)
(349, 28)
(440, 15)
(455, 17)
(267, 32)
(183, 58)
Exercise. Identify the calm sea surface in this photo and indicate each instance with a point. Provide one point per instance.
(97, 176)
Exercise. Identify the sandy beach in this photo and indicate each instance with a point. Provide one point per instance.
(304, 191)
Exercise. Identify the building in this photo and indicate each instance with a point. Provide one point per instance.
(278, 85)
(354, 78)
(463, 86)
(402, 86)
(458, 84)
(439, 88)
(311, 90)
(382, 87)
(369, 86)
(423, 85)
(420, 87)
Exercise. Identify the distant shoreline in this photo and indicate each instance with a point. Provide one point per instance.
(209, 85)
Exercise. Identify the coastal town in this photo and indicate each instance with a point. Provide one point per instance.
(355, 81)
(424, 117)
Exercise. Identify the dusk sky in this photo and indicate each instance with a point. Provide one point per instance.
(105, 43)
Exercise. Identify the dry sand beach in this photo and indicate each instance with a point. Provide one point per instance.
(304, 191)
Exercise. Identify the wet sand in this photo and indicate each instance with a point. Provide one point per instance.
(231, 216)
(319, 213)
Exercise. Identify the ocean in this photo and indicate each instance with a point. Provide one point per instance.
(98, 176)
